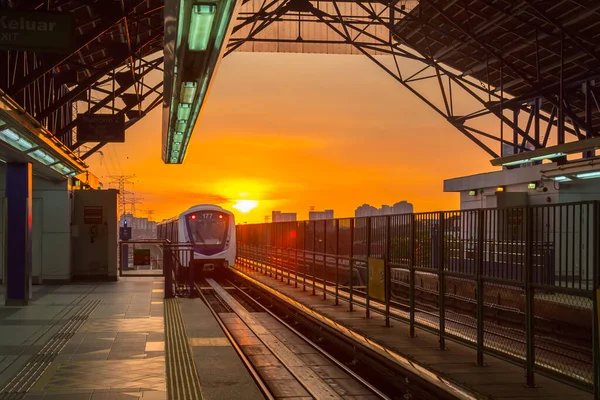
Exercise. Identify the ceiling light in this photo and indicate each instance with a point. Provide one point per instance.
(588, 175)
(201, 24)
(14, 139)
(43, 157)
(188, 91)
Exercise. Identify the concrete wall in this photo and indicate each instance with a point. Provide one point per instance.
(51, 241)
(94, 246)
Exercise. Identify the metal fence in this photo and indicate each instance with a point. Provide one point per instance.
(518, 283)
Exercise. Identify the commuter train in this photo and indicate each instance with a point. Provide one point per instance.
(209, 229)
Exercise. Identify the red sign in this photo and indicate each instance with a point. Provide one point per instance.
(92, 215)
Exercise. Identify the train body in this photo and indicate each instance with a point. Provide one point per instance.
(207, 229)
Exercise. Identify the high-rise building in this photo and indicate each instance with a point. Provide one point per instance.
(366, 210)
(278, 216)
(403, 207)
(316, 215)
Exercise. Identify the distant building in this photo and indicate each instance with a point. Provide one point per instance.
(316, 215)
(141, 228)
(278, 216)
(366, 210)
(403, 207)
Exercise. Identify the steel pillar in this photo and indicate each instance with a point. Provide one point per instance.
(18, 233)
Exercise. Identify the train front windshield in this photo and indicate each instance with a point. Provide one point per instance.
(207, 227)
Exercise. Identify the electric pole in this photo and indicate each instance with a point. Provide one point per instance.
(121, 181)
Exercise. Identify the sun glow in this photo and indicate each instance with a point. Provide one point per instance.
(245, 205)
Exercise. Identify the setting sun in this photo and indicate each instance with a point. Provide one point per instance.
(245, 205)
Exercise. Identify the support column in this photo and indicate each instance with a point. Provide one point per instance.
(18, 233)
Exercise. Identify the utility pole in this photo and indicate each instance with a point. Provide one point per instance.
(149, 213)
(121, 181)
(133, 200)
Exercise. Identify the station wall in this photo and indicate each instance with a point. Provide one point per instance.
(51, 242)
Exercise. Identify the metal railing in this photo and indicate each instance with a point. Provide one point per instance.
(517, 283)
(179, 278)
(140, 258)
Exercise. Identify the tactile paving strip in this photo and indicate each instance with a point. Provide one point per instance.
(18, 386)
(182, 378)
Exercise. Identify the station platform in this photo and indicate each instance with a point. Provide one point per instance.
(498, 379)
(117, 340)
(85, 341)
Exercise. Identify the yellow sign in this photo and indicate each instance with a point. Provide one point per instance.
(376, 279)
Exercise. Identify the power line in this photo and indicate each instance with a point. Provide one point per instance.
(121, 181)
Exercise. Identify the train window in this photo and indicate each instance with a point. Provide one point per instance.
(207, 227)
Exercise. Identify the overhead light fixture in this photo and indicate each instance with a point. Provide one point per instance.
(472, 193)
(43, 157)
(532, 186)
(532, 159)
(561, 179)
(588, 175)
(183, 112)
(552, 152)
(63, 169)
(547, 157)
(500, 189)
(201, 24)
(15, 140)
(180, 126)
(192, 55)
(188, 91)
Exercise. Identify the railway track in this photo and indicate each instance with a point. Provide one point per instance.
(552, 354)
(282, 361)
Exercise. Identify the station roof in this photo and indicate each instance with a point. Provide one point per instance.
(507, 29)
(120, 38)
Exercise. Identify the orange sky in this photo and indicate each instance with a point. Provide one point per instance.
(293, 131)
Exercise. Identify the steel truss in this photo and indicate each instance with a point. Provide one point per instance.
(510, 75)
(118, 44)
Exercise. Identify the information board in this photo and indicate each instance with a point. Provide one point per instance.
(92, 215)
(376, 279)
(125, 233)
(141, 257)
(101, 128)
(45, 32)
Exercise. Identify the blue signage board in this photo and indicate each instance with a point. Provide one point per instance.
(125, 233)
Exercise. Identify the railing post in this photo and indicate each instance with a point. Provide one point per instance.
(296, 258)
(191, 273)
(304, 257)
(529, 300)
(284, 263)
(595, 300)
(479, 277)
(277, 249)
(337, 261)
(441, 282)
(367, 300)
(387, 281)
(325, 259)
(314, 260)
(411, 274)
(351, 262)
(288, 251)
(168, 272)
